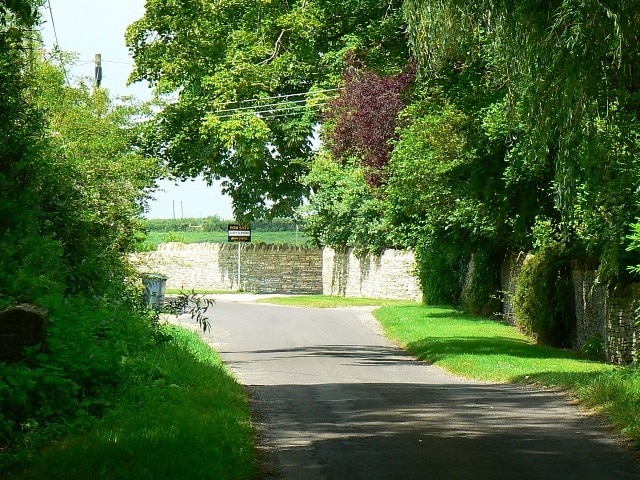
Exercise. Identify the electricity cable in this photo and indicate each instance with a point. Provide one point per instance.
(53, 25)
(273, 113)
(279, 106)
(277, 97)
(265, 110)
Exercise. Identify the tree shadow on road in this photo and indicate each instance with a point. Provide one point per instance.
(418, 431)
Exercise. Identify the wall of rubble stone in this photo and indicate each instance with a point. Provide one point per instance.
(509, 271)
(589, 303)
(600, 310)
(603, 313)
(622, 334)
(214, 266)
(284, 269)
(388, 275)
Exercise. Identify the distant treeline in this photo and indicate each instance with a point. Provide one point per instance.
(217, 224)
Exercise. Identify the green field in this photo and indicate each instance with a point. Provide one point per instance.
(154, 238)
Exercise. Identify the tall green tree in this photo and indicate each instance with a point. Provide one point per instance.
(26, 251)
(569, 70)
(344, 209)
(248, 80)
(72, 182)
(445, 196)
(94, 180)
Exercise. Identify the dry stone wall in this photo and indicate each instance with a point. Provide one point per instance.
(284, 269)
(214, 266)
(389, 275)
(589, 303)
(602, 313)
(622, 335)
(509, 271)
(609, 313)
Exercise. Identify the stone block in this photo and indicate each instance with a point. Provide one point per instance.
(21, 326)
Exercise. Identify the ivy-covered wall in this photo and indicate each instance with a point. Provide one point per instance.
(605, 315)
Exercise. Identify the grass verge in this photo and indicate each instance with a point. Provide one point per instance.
(485, 349)
(180, 291)
(178, 414)
(327, 301)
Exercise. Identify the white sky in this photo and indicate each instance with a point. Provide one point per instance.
(88, 27)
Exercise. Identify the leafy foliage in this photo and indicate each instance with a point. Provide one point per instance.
(94, 182)
(193, 304)
(73, 382)
(26, 250)
(249, 80)
(443, 196)
(72, 189)
(73, 185)
(344, 210)
(569, 72)
(521, 134)
(363, 119)
(543, 297)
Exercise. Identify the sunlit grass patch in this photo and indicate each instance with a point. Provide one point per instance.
(329, 301)
(475, 347)
(178, 415)
(485, 349)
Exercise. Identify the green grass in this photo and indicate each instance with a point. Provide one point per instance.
(326, 301)
(154, 238)
(180, 291)
(475, 347)
(485, 349)
(178, 415)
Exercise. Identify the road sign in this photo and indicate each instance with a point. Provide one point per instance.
(238, 233)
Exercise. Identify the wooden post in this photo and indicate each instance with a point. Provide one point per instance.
(239, 266)
(98, 71)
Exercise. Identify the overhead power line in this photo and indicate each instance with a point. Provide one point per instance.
(53, 25)
(272, 107)
(278, 97)
(273, 112)
(280, 105)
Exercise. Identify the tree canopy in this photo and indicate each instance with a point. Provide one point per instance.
(521, 134)
(566, 75)
(72, 182)
(249, 79)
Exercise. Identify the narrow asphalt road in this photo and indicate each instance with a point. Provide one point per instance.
(333, 399)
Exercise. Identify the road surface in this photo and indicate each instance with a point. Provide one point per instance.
(333, 399)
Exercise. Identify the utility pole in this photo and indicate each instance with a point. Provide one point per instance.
(98, 70)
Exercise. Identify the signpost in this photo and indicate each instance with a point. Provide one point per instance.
(238, 234)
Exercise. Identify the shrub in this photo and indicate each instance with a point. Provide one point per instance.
(441, 271)
(75, 380)
(479, 293)
(543, 298)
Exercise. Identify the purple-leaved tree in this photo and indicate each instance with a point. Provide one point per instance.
(364, 117)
